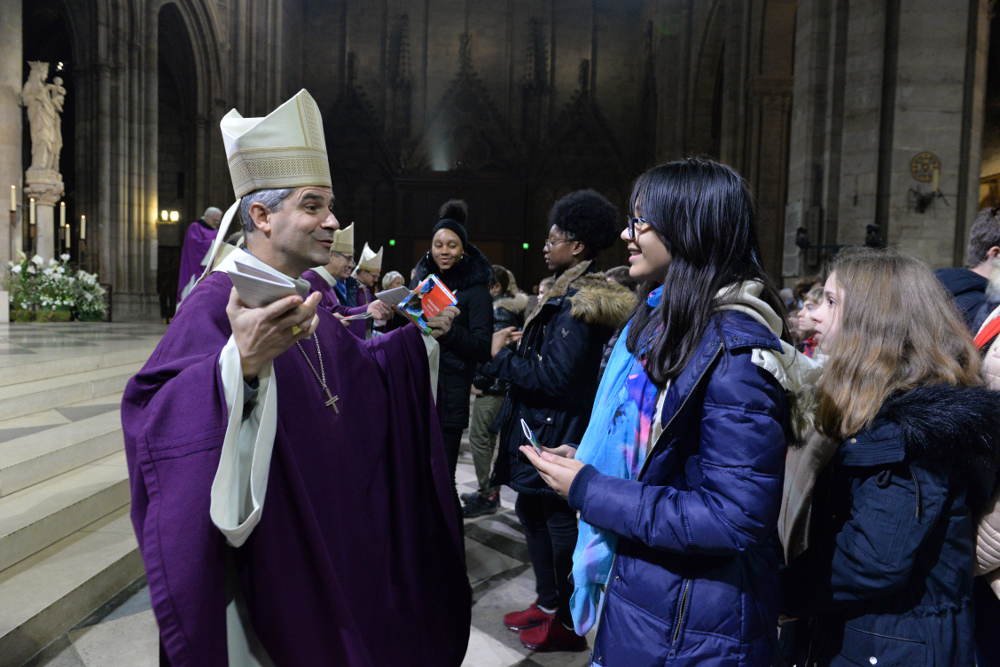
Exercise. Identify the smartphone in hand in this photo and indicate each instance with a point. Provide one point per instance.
(530, 436)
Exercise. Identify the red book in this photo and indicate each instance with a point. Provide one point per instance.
(429, 298)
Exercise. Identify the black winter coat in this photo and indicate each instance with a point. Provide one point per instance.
(553, 372)
(968, 288)
(887, 578)
(508, 311)
(471, 335)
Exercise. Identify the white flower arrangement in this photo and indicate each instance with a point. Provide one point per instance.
(39, 285)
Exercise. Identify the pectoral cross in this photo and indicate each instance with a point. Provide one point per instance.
(331, 401)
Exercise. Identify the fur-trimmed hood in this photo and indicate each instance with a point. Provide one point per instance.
(960, 425)
(472, 269)
(945, 421)
(593, 299)
(516, 304)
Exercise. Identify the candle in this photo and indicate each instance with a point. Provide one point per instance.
(935, 179)
(31, 210)
(83, 228)
(13, 198)
(62, 213)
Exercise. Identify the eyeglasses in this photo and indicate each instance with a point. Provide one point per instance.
(551, 242)
(632, 222)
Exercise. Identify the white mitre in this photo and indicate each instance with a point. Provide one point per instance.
(343, 241)
(285, 149)
(370, 261)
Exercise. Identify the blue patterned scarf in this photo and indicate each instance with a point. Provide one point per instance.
(615, 443)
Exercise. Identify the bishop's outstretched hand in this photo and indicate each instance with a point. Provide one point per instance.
(262, 334)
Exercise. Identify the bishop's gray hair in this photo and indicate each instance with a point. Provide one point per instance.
(271, 199)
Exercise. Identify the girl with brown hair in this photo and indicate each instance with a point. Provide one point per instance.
(887, 578)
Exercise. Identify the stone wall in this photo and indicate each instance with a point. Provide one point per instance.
(876, 83)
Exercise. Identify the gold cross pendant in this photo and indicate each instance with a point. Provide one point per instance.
(331, 402)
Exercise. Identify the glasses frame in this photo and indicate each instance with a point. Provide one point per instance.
(631, 222)
(549, 243)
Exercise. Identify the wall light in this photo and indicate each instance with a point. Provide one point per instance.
(175, 216)
(164, 216)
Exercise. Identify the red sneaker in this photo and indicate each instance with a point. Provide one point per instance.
(552, 635)
(527, 618)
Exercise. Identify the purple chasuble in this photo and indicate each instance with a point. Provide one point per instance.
(197, 241)
(358, 558)
(331, 303)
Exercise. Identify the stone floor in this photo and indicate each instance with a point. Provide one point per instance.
(124, 631)
(124, 634)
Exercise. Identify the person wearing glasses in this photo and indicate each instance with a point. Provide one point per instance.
(678, 479)
(334, 282)
(552, 376)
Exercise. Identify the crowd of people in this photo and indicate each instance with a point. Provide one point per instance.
(709, 470)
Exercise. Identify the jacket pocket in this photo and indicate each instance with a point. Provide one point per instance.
(865, 648)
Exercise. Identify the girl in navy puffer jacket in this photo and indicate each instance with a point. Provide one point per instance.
(678, 479)
(887, 576)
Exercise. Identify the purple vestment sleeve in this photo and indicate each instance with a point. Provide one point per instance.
(331, 303)
(174, 417)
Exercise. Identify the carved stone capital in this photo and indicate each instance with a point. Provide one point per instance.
(45, 185)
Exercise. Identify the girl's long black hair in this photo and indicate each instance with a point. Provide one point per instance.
(703, 212)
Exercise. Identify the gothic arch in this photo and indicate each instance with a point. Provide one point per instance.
(467, 132)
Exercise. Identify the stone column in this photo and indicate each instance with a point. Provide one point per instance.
(10, 133)
(46, 186)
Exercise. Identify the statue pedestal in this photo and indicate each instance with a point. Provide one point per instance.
(46, 186)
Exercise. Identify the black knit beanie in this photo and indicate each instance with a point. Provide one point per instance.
(452, 217)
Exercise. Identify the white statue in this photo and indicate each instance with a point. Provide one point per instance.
(44, 102)
(58, 94)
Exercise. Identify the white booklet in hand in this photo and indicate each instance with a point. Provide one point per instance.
(258, 287)
(393, 297)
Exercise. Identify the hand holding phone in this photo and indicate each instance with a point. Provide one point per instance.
(530, 436)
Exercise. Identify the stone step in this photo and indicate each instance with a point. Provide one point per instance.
(40, 515)
(41, 455)
(32, 371)
(52, 591)
(37, 396)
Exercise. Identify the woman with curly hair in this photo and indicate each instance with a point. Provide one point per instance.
(553, 376)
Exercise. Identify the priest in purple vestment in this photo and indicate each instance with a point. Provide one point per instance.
(323, 279)
(197, 242)
(290, 492)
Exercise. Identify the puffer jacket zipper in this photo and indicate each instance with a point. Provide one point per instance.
(682, 608)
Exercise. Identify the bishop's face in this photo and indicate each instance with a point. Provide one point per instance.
(339, 265)
(299, 234)
(367, 278)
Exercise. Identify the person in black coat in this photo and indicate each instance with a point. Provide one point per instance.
(887, 577)
(467, 273)
(553, 379)
(509, 305)
(967, 285)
